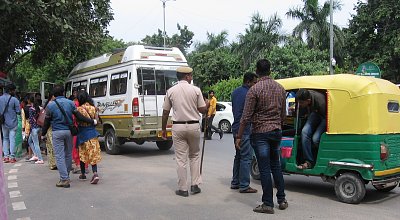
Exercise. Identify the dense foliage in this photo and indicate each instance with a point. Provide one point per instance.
(45, 28)
(374, 35)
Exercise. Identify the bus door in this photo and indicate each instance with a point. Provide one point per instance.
(45, 89)
(154, 84)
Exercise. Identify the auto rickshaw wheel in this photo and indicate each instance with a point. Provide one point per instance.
(387, 189)
(255, 173)
(350, 188)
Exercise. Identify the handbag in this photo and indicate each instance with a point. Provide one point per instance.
(72, 128)
(41, 117)
(2, 118)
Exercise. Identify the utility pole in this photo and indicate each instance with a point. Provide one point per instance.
(164, 33)
(332, 61)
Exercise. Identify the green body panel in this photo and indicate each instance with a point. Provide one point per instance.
(125, 127)
(355, 149)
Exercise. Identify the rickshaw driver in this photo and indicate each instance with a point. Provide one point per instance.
(314, 104)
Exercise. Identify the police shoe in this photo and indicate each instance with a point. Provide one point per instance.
(195, 189)
(182, 193)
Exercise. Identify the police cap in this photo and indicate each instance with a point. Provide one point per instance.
(184, 69)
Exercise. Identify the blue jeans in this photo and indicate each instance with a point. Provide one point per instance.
(242, 164)
(9, 142)
(311, 134)
(33, 142)
(62, 144)
(267, 150)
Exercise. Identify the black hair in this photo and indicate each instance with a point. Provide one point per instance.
(248, 77)
(84, 97)
(211, 91)
(35, 104)
(263, 67)
(205, 95)
(10, 87)
(181, 76)
(302, 95)
(58, 90)
(48, 99)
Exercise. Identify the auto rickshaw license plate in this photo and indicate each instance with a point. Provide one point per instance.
(169, 134)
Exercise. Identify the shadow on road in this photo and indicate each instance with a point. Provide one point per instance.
(145, 150)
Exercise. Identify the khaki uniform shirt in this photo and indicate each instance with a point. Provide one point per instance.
(184, 99)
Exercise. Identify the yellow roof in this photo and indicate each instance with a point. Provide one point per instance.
(354, 84)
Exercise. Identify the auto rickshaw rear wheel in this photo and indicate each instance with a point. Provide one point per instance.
(255, 173)
(350, 188)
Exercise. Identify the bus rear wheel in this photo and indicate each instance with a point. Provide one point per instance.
(111, 142)
(164, 145)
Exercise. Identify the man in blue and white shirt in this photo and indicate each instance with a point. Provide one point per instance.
(10, 125)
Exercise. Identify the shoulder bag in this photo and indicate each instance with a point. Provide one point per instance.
(41, 117)
(96, 116)
(2, 118)
(71, 126)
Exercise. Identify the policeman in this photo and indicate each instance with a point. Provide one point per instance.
(187, 102)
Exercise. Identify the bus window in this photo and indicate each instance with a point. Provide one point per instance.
(165, 79)
(98, 87)
(118, 83)
(81, 85)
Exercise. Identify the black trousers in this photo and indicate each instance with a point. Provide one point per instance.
(211, 127)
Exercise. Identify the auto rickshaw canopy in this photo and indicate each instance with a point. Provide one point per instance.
(355, 104)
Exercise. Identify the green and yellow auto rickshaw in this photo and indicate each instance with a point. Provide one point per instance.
(361, 144)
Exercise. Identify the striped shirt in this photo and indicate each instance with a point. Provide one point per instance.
(265, 106)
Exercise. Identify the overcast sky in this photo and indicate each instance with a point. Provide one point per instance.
(134, 19)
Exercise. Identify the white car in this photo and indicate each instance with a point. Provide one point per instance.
(224, 117)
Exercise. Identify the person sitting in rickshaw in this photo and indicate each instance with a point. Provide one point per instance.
(313, 104)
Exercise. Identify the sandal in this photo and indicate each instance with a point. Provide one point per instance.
(306, 165)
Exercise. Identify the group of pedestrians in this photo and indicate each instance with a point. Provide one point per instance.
(61, 115)
(259, 112)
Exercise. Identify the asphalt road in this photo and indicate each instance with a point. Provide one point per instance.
(140, 184)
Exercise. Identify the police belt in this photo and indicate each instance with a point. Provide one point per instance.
(185, 122)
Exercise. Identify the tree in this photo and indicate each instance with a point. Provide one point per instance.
(183, 40)
(261, 35)
(314, 26)
(210, 67)
(45, 28)
(213, 42)
(28, 76)
(374, 35)
(295, 58)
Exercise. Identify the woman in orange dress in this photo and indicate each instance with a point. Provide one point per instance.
(87, 138)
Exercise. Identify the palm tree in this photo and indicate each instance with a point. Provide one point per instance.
(260, 36)
(314, 25)
(213, 42)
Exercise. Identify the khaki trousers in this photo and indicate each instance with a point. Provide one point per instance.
(186, 139)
